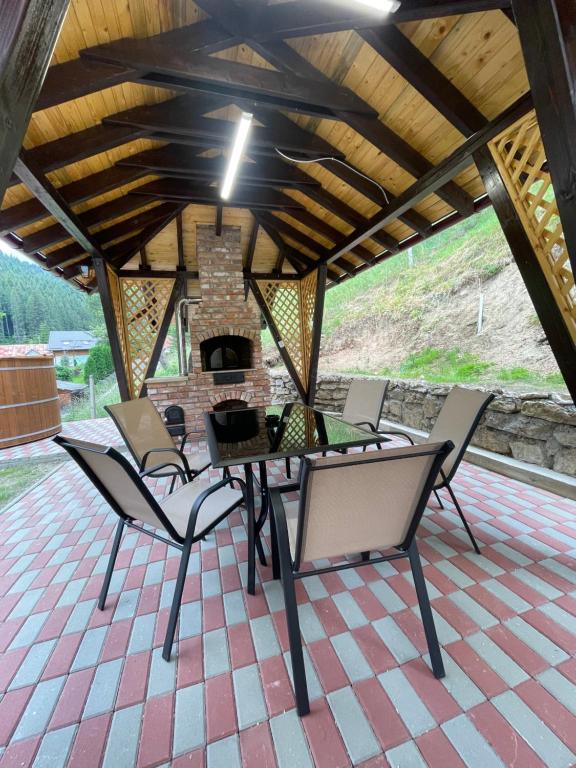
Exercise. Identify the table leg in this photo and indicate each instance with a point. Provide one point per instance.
(251, 529)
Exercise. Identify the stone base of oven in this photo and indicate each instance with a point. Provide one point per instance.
(197, 394)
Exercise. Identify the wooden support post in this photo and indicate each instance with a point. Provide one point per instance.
(316, 334)
(545, 304)
(547, 32)
(111, 325)
(28, 33)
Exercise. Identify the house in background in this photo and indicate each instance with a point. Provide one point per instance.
(75, 345)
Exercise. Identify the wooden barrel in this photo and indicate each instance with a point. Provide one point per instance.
(29, 403)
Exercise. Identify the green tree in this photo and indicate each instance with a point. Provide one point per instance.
(99, 363)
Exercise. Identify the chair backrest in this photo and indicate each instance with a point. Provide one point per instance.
(118, 482)
(457, 421)
(364, 501)
(142, 428)
(364, 401)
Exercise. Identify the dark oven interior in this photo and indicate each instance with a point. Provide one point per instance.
(226, 353)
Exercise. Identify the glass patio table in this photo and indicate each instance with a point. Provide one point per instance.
(258, 435)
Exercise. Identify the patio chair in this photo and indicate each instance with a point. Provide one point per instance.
(150, 442)
(358, 502)
(186, 515)
(364, 402)
(457, 421)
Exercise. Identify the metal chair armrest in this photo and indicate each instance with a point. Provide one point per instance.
(177, 451)
(184, 440)
(208, 492)
(402, 434)
(150, 472)
(366, 424)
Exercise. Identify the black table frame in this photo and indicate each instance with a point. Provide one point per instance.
(255, 525)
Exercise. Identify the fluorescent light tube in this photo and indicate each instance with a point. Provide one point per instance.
(236, 155)
(384, 6)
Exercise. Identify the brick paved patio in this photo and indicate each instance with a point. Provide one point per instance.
(80, 687)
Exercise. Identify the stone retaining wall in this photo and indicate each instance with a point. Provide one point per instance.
(538, 428)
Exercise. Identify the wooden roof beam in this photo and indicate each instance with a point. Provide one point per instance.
(331, 233)
(94, 216)
(120, 254)
(96, 184)
(179, 117)
(50, 198)
(174, 163)
(451, 166)
(421, 73)
(28, 34)
(348, 214)
(80, 77)
(281, 55)
(63, 256)
(250, 197)
(303, 18)
(175, 66)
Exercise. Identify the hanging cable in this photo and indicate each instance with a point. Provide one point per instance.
(298, 161)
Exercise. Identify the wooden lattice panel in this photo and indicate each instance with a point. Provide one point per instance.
(520, 157)
(144, 304)
(299, 430)
(307, 306)
(116, 298)
(283, 299)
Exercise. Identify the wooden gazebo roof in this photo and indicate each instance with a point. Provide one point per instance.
(124, 149)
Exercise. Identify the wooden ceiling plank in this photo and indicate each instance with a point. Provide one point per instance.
(334, 235)
(119, 255)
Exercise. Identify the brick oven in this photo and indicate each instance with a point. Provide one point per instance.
(224, 347)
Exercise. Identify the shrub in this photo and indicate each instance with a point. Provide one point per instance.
(99, 363)
(64, 372)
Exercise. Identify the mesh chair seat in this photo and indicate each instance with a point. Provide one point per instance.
(178, 505)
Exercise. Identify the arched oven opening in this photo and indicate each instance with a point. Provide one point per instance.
(226, 353)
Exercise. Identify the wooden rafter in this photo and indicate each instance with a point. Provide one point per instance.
(44, 191)
(176, 66)
(179, 119)
(454, 164)
(28, 34)
(421, 73)
(249, 197)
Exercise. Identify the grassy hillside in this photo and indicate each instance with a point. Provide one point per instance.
(416, 314)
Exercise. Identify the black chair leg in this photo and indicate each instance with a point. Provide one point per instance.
(465, 522)
(172, 484)
(295, 638)
(288, 469)
(111, 562)
(426, 612)
(365, 556)
(438, 499)
(260, 550)
(176, 600)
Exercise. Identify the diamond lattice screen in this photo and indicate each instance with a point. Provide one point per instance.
(519, 155)
(139, 306)
(291, 304)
